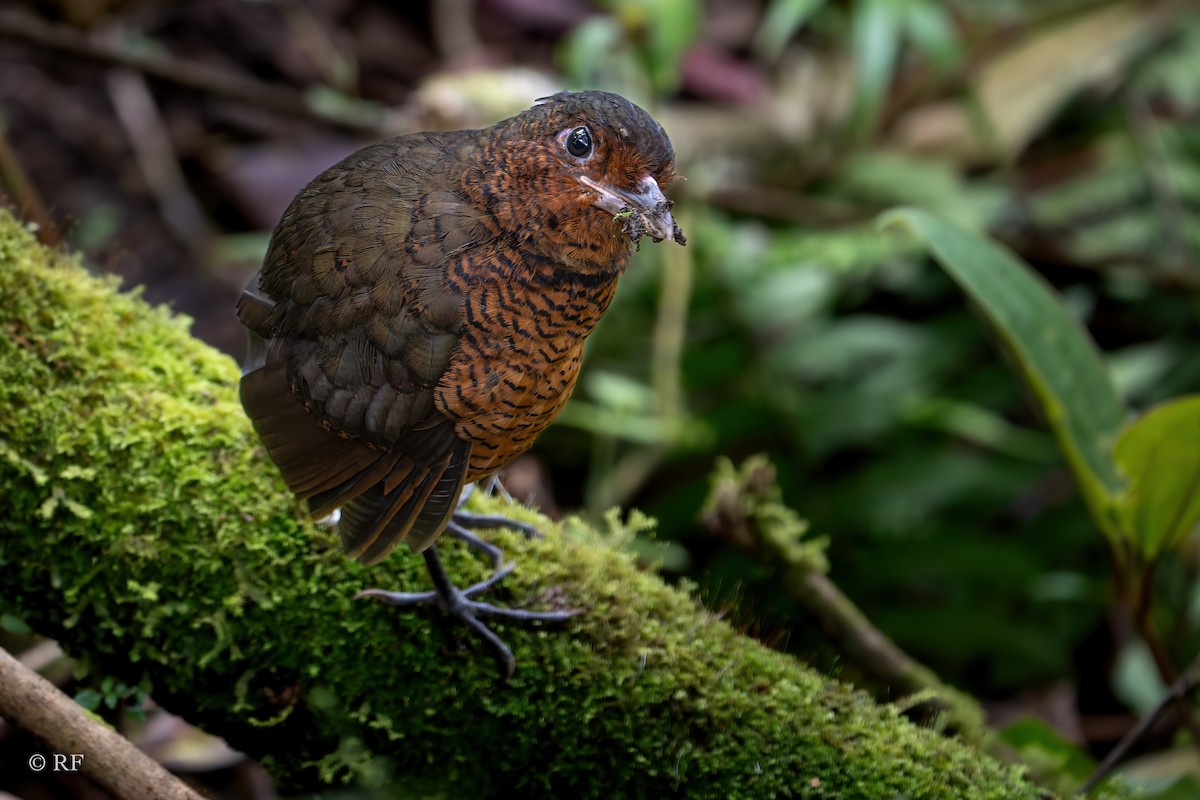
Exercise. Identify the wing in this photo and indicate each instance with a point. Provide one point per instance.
(352, 323)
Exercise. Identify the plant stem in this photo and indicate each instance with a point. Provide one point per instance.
(1178, 690)
(1162, 659)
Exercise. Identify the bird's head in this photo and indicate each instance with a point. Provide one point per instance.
(582, 173)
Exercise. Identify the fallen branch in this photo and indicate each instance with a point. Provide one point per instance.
(359, 116)
(33, 703)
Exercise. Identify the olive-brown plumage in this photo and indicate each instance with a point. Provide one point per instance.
(420, 315)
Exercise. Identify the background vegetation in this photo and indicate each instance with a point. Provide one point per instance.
(163, 140)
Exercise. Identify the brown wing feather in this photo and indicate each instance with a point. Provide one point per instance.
(340, 373)
(376, 521)
(386, 495)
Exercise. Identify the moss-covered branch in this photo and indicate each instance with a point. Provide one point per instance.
(745, 506)
(146, 530)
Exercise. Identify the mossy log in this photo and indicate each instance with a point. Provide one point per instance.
(146, 530)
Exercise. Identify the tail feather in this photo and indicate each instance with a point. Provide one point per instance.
(393, 471)
(442, 501)
(378, 520)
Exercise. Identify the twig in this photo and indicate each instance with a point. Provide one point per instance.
(454, 30)
(336, 68)
(24, 194)
(670, 327)
(359, 116)
(856, 636)
(1162, 659)
(666, 357)
(1179, 690)
(159, 165)
(34, 704)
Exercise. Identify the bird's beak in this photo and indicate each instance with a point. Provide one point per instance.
(645, 211)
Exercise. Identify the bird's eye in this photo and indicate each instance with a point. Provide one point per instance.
(579, 142)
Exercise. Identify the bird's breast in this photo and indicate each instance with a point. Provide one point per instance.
(525, 319)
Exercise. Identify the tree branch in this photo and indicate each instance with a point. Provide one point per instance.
(33, 703)
(148, 533)
(745, 507)
(359, 116)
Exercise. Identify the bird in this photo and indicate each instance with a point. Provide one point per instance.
(420, 317)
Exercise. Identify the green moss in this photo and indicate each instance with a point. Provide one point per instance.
(149, 533)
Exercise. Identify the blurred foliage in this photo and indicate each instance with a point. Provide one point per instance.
(1048, 755)
(110, 693)
(1141, 482)
(894, 425)
(1050, 352)
(636, 48)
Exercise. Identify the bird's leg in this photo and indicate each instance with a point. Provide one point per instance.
(461, 520)
(494, 486)
(457, 604)
(494, 553)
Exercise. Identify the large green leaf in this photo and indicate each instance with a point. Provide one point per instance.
(1054, 355)
(1160, 456)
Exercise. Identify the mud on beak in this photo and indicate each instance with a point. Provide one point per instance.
(645, 211)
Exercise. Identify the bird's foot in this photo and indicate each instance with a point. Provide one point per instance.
(457, 604)
(470, 518)
(494, 553)
(462, 520)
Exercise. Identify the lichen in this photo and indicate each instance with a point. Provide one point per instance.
(147, 530)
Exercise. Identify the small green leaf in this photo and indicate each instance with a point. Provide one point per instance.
(336, 105)
(672, 27)
(1159, 454)
(1053, 354)
(89, 699)
(780, 22)
(1135, 678)
(932, 31)
(1042, 746)
(596, 54)
(876, 36)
